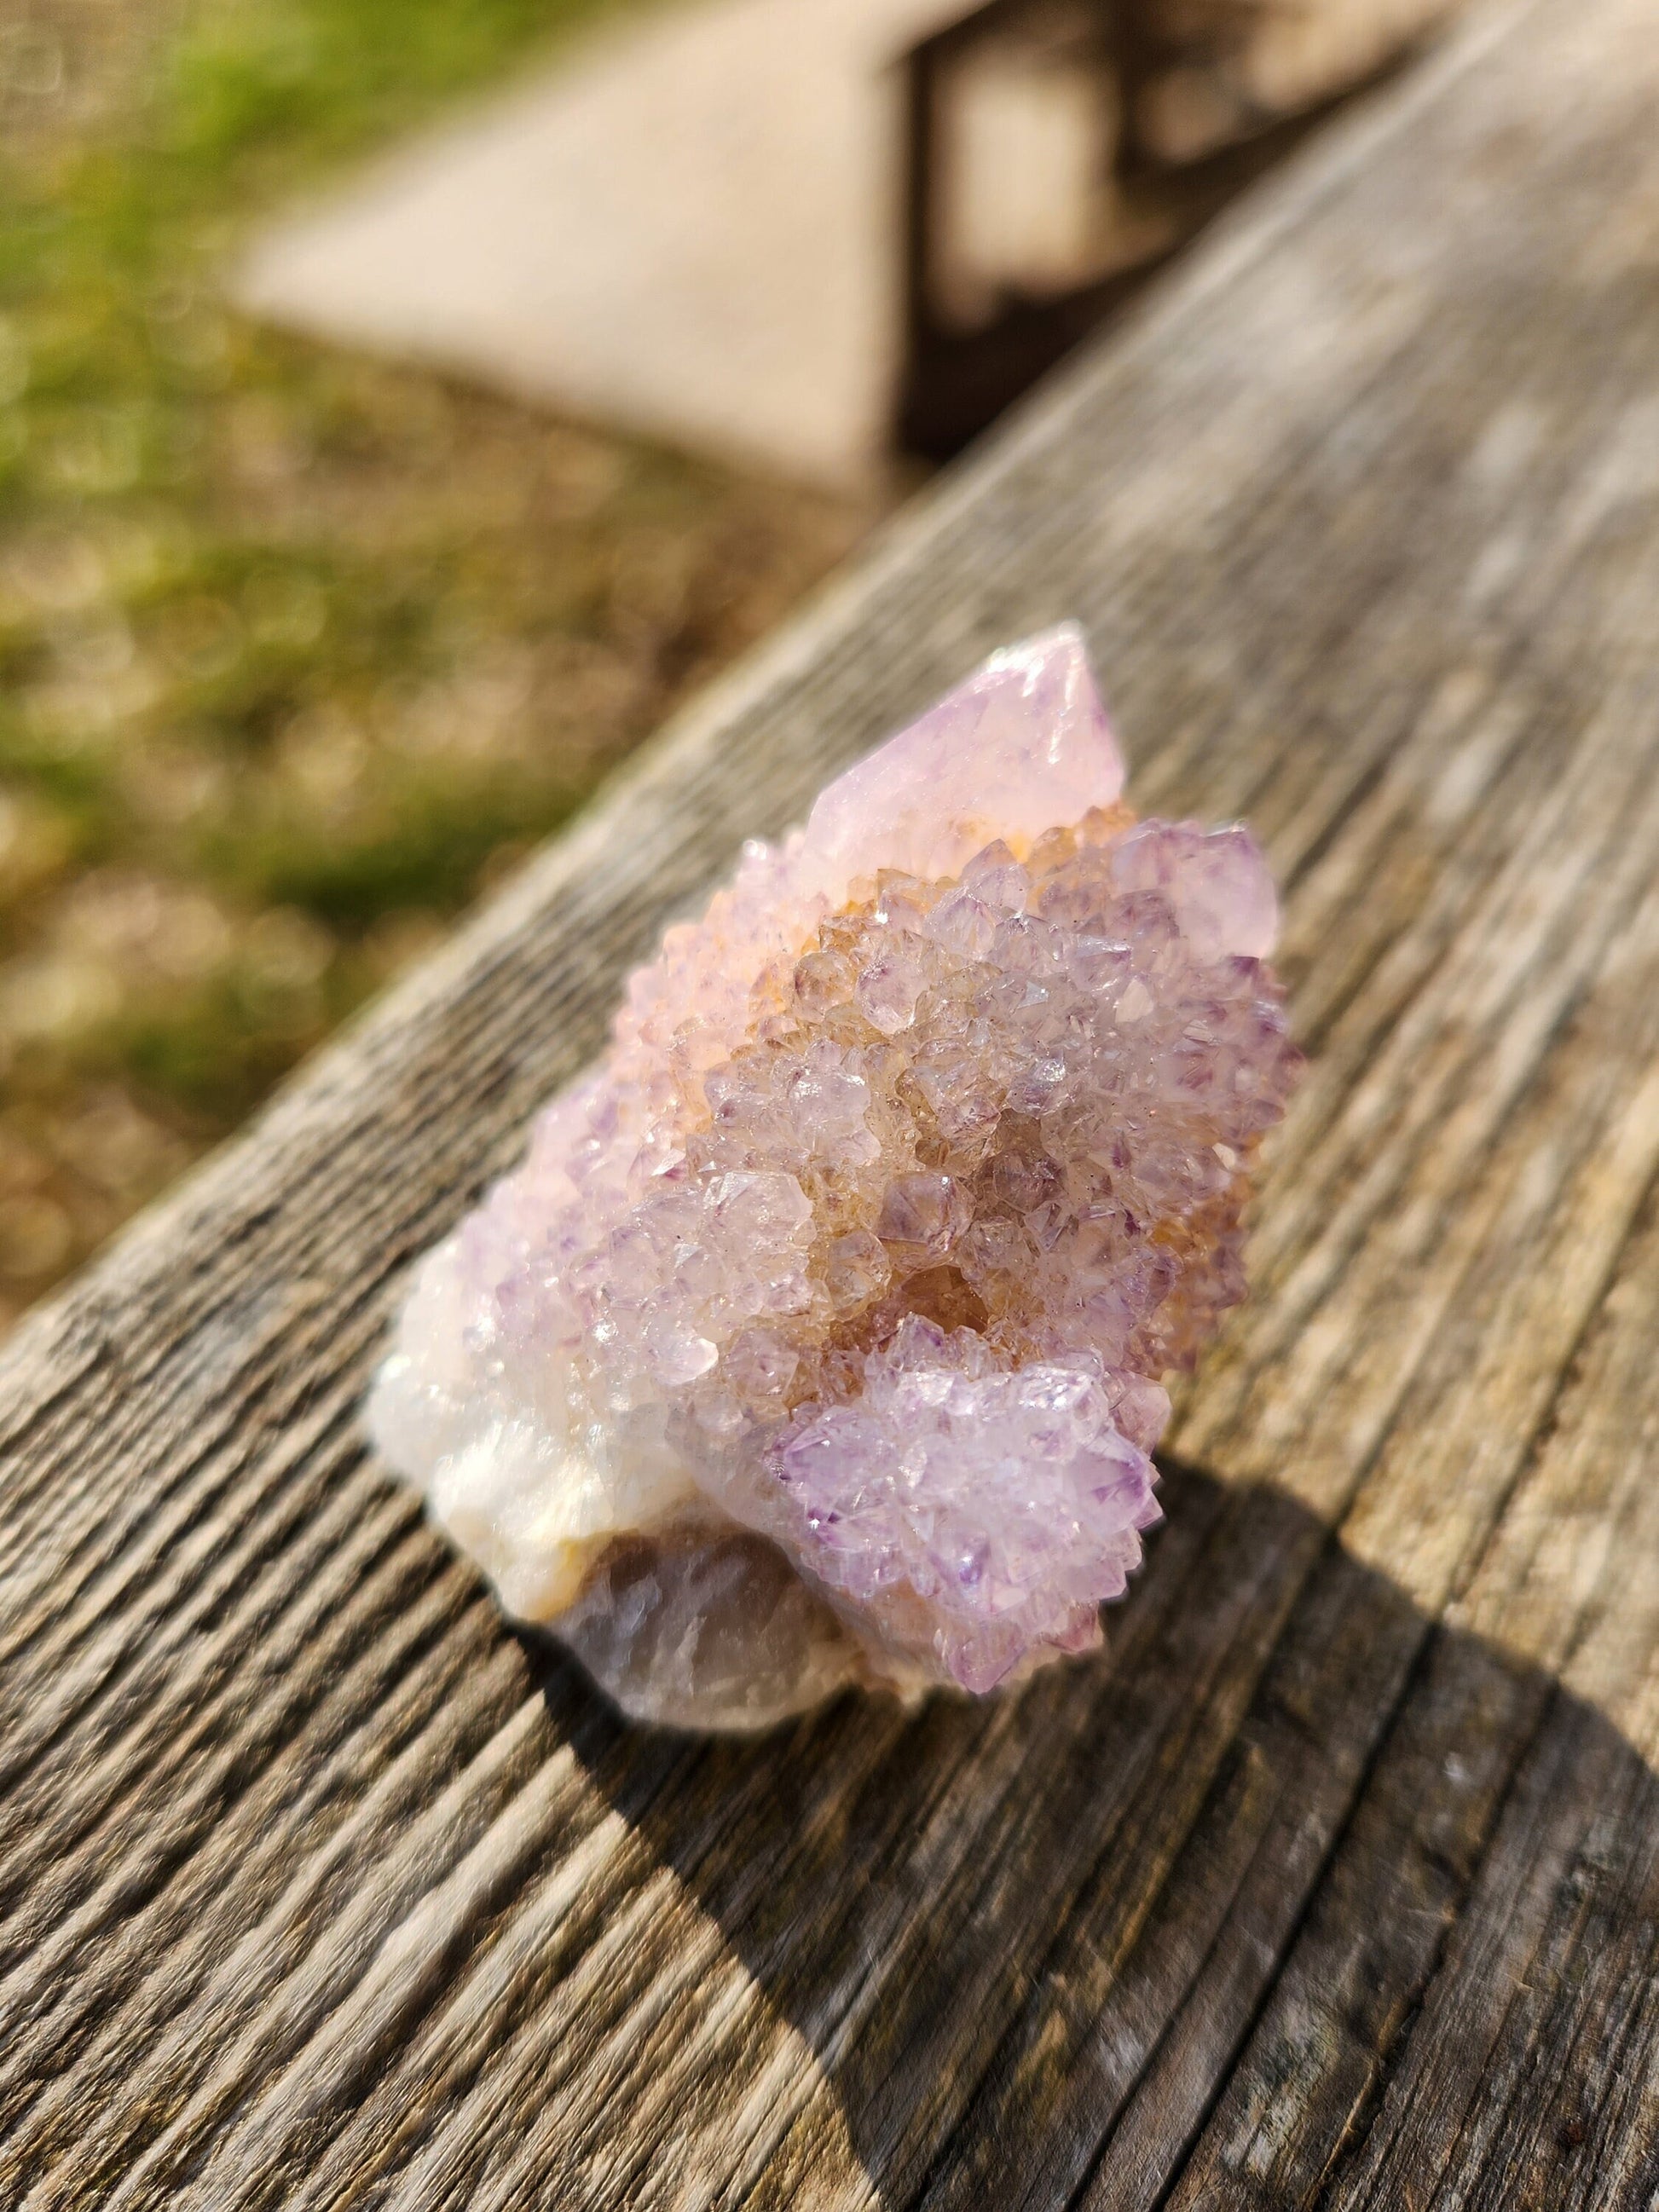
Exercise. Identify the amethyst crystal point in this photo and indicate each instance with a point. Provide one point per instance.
(819, 1338)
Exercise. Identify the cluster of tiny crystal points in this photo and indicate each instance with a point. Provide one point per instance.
(895, 1198)
(903, 1269)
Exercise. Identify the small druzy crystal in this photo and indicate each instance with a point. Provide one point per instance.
(820, 1337)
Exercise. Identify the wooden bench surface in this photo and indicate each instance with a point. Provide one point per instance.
(1336, 1881)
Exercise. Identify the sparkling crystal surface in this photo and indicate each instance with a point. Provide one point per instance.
(821, 1337)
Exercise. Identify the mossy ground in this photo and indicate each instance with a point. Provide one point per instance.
(297, 651)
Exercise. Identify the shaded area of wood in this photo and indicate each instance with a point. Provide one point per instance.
(1334, 1883)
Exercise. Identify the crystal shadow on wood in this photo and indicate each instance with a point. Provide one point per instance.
(1101, 1919)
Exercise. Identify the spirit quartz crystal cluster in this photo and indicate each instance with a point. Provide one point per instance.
(820, 1338)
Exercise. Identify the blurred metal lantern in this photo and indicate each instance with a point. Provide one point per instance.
(1058, 151)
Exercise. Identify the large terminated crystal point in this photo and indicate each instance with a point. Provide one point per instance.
(819, 1338)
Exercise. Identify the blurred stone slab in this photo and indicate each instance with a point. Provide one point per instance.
(691, 228)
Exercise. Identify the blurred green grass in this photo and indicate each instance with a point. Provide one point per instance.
(297, 651)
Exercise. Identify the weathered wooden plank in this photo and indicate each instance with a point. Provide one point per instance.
(1569, 1568)
(318, 1888)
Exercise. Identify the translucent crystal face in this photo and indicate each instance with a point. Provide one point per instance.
(913, 1169)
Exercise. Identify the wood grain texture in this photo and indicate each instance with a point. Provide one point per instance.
(1335, 1882)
